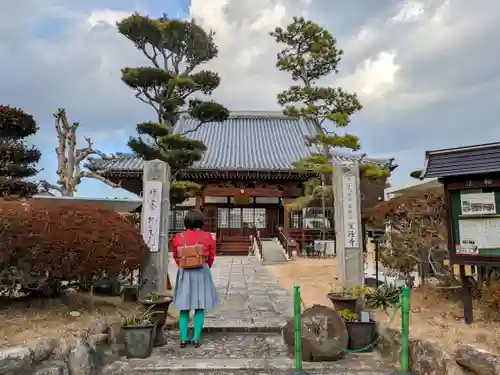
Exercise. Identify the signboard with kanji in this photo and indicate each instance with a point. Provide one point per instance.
(474, 205)
(350, 211)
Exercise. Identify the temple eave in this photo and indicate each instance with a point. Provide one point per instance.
(220, 174)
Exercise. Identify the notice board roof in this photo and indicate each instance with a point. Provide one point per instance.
(461, 161)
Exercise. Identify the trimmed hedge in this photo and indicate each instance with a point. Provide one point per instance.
(66, 240)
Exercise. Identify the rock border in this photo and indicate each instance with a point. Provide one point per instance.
(83, 355)
(428, 358)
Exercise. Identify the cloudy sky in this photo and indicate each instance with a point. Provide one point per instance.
(426, 71)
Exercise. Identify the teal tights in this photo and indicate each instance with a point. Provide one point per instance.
(199, 317)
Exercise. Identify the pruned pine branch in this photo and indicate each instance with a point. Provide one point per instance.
(200, 124)
(175, 48)
(148, 101)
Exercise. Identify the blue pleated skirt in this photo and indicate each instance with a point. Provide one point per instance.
(194, 289)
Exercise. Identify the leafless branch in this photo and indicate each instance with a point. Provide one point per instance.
(69, 158)
(90, 174)
(83, 153)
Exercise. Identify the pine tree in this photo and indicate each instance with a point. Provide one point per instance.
(17, 159)
(175, 49)
(310, 55)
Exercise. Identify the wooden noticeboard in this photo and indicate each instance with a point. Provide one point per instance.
(475, 221)
(472, 204)
(478, 236)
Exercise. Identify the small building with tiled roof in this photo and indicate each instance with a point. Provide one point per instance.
(246, 172)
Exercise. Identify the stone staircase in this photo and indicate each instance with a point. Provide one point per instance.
(226, 353)
(272, 251)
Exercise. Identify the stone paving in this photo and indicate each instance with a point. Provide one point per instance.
(251, 300)
(242, 354)
(244, 333)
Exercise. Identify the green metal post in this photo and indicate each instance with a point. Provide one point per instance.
(297, 328)
(405, 329)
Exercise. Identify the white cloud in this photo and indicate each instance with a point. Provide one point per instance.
(270, 18)
(441, 13)
(409, 11)
(246, 57)
(408, 60)
(374, 77)
(107, 16)
(363, 34)
(211, 12)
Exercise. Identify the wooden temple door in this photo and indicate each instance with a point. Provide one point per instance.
(229, 222)
(210, 217)
(272, 222)
(240, 221)
(247, 221)
(254, 218)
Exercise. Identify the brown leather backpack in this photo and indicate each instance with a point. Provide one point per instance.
(191, 256)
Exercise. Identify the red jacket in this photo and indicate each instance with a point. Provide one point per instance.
(191, 237)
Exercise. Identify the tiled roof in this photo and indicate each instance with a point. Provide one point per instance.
(250, 141)
(247, 141)
(461, 161)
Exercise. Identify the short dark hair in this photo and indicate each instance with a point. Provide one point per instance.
(194, 219)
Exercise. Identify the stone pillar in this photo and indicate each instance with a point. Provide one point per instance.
(154, 227)
(348, 236)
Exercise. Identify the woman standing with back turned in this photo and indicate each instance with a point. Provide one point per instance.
(194, 253)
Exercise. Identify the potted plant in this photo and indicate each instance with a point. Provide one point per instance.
(158, 305)
(384, 297)
(361, 333)
(139, 334)
(346, 298)
(342, 299)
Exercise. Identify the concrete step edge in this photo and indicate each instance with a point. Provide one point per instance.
(160, 364)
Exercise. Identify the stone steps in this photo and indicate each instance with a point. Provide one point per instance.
(272, 252)
(244, 333)
(242, 354)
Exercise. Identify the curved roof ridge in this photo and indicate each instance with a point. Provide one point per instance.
(274, 114)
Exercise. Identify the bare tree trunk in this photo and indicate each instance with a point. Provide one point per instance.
(70, 158)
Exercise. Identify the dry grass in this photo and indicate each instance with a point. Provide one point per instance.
(23, 323)
(433, 317)
(315, 277)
